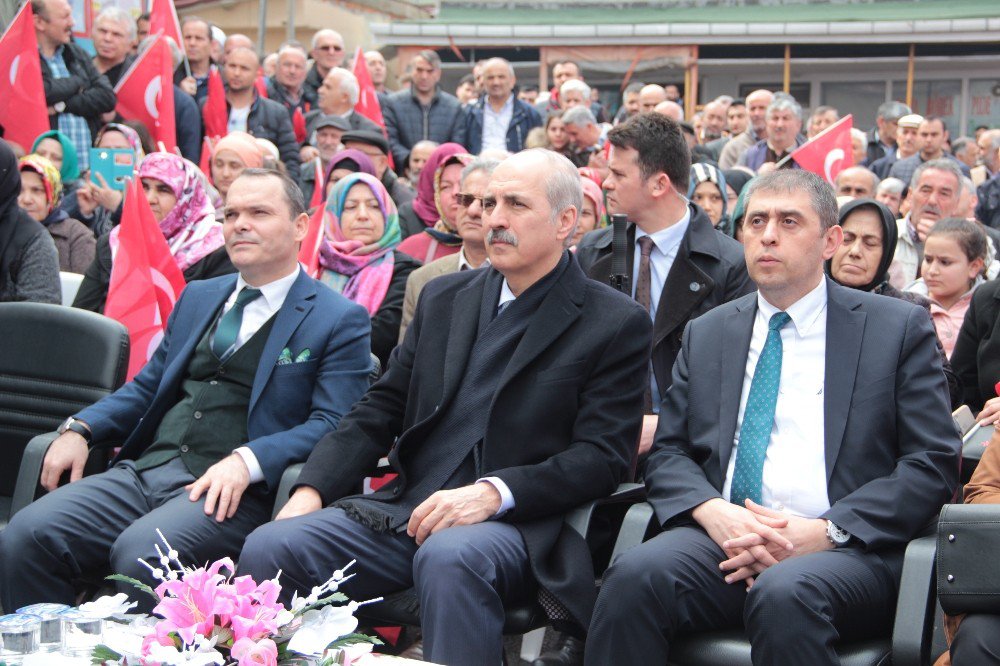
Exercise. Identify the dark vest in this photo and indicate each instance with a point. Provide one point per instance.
(210, 420)
(450, 455)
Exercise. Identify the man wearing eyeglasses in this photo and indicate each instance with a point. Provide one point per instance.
(327, 52)
(469, 224)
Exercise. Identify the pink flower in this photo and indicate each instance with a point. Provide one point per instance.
(261, 653)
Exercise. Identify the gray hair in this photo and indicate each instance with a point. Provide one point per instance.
(575, 85)
(324, 32)
(893, 111)
(348, 83)
(293, 195)
(858, 134)
(892, 185)
(175, 51)
(782, 102)
(510, 67)
(859, 169)
(484, 164)
(428, 56)
(941, 164)
(821, 195)
(118, 15)
(579, 116)
(562, 186)
(968, 185)
(292, 47)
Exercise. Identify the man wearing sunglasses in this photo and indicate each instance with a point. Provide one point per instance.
(327, 52)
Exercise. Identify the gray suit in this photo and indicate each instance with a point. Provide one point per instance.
(891, 462)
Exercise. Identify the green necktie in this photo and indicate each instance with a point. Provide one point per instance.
(229, 324)
(758, 417)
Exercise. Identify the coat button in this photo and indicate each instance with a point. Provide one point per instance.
(222, 371)
(395, 491)
(184, 448)
(197, 415)
(213, 382)
(694, 286)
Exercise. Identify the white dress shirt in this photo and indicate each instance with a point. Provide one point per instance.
(238, 119)
(464, 265)
(794, 479)
(255, 314)
(496, 124)
(666, 244)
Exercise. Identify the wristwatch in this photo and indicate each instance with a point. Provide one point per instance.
(77, 426)
(838, 537)
(59, 107)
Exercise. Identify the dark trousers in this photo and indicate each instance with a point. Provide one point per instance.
(103, 523)
(462, 575)
(794, 614)
(977, 641)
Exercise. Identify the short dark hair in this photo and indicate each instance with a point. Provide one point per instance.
(529, 88)
(293, 195)
(635, 87)
(660, 144)
(968, 234)
(196, 19)
(468, 78)
(821, 194)
(936, 119)
(142, 17)
(39, 9)
(567, 61)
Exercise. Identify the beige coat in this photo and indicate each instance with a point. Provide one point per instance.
(416, 282)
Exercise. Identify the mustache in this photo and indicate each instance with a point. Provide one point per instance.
(501, 236)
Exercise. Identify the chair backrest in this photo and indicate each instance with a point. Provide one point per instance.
(70, 283)
(54, 361)
(965, 420)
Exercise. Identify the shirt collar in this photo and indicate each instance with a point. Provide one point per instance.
(57, 54)
(463, 262)
(509, 104)
(804, 312)
(273, 293)
(670, 238)
(506, 295)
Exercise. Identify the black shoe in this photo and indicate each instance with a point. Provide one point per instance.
(568, 652)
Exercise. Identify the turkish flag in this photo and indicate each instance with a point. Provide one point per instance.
(215, 113)
(829, 152)
(146, 93)
(299, 125)
(318, 195)
(309, 250)
(23, 111)
(163, 19)
(145, 280)
(368, 104)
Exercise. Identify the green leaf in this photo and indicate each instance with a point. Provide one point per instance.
(138, 584)
(103, 653)
(351, 639)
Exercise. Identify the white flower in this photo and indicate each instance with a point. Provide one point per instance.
(104, 607)
(201, 653)
(322, 627)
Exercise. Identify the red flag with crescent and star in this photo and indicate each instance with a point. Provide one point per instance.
(829, 152)
(146, 93)
(23, 112)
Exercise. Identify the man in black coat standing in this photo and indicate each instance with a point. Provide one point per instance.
(514, 397)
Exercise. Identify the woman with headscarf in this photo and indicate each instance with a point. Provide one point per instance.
(59, 150)
(343, 164)
(41, 190)
(707, 189)
(183, 209)
(230, 156)
(441, 239)
(422, 213)
(592, 212)
(862, 262)
(29, 263)
(357, 258)
(736, 182)
(120, 135)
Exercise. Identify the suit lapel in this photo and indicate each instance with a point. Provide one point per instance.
(462, 332)
(297, 305)
(213, 301)
(684, 290)
(845, 327)
(736, 334)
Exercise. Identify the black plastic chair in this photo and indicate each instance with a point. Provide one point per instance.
(54, 361)
(909, 645)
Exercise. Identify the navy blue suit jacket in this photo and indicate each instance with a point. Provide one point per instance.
(291, 406)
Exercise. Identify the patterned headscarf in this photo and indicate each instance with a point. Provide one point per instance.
(706, 173)
(190, 228)
(70, 169)
(49, 175)
(426, 205)
(130, 135)
(360, 272)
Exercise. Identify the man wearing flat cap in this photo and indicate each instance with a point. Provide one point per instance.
(376, 147)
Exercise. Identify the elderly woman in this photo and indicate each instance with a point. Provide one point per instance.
(59, 149)
(230, 156)
(592, 212)
(423, 213)
(181, 204)
(441, 239)
(357, 258)
(41, 190)
(29, 263)
(862, 262)
(345, 163)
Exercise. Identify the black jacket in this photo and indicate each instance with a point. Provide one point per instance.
(988, 208)
(976, 357)
(386, 320)
(269, 120)
(709, 270)
(407, 121)
(561, 430)
(85, 91)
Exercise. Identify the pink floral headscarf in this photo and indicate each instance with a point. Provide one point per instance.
(190, 228)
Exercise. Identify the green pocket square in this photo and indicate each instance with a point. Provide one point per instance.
(303, 356)
(285, 357)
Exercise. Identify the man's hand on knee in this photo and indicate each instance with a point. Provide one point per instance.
(68, 451)
(304, 500)
(447, 508)
(223, 485)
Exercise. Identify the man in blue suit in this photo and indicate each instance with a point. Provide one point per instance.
(252, 371)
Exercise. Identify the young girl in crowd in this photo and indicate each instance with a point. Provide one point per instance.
(707, 189)
(955, 256)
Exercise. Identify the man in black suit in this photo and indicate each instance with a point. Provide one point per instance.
(690, 267)
(806, 438)
(514, 397)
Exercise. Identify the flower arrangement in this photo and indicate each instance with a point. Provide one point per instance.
(209, 616)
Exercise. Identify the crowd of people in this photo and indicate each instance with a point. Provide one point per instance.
(467, 247)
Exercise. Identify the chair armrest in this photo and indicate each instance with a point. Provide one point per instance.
(288, 479)
(913, 632)
(30, 472)
(637, 521)
(581, 517)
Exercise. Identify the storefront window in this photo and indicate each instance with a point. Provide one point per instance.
(860, 98)
(984, 104)
(935, 98)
